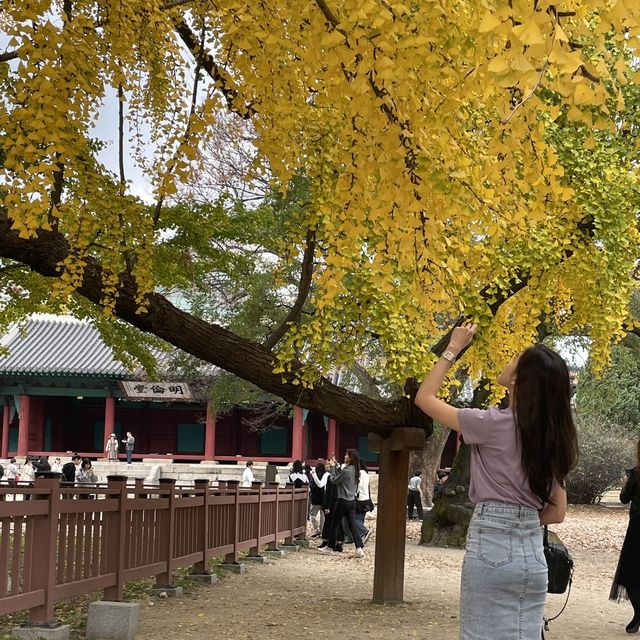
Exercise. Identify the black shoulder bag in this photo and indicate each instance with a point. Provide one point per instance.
(560, 567)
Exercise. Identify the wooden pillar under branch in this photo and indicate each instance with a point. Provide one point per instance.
(391, 527)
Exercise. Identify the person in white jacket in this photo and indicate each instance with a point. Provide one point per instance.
(247, 475)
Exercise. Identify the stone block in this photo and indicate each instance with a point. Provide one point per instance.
(112, 620)
(234, 567)
(290, 547)
(167, 591)
(255, 559)
(42, 632)
(301, 542)
(274, 553)
(204, 578)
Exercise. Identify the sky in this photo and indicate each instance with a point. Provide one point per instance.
(106, 129)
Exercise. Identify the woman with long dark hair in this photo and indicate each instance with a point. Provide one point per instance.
(346, 481)
(520, 457)
(627, 579)
(298, 477)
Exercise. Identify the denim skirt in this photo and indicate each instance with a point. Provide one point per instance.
(504, 574)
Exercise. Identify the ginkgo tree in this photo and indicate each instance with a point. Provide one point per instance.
(457, 156)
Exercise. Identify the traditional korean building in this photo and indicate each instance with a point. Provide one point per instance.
(62, 390)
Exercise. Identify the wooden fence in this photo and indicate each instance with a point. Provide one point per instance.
(67, 540)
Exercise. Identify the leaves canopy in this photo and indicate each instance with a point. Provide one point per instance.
(476, 156)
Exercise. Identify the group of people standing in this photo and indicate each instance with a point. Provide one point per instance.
(340, 498)
(77, 470)
(112, 447)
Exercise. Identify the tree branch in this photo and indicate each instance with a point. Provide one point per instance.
(217, 74)
(303, 292)
(121, 133)
(9, 55)
(47, 251)
(175, 3)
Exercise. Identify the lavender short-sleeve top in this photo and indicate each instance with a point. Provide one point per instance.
(496, 466)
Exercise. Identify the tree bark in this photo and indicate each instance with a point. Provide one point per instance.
(447, 523)
(428, 461)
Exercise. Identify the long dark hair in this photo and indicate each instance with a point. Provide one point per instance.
(544, 421)
(638, 457)
(320, 470)
(354, 459)
(296, 467)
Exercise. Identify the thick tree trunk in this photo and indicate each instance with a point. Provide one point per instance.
(428, 461)
(447, 523)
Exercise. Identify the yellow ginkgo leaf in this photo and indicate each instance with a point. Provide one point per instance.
(489, 23)
(498, 66)
(529, 33)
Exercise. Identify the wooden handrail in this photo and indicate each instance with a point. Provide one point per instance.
(106, 534)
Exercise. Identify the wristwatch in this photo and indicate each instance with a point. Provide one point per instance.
(449, 355)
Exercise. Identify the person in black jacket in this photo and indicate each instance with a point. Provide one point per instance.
(330, 504)
(42, 464)
(70, 469)
(317, 482)
(627, 578)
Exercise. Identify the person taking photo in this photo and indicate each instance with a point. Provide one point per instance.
(520, 457)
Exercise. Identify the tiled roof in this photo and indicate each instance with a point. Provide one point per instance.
(51, 344)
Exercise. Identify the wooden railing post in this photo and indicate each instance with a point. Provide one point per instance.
(167, 534)
(232, 558)
(202, 487)
(273, 546)
(289, 539)
(305, 513)
(43, 562)
(255, 551)
(139, 486)
(115, 531)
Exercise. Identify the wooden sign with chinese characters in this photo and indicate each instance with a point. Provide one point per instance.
(157, 390)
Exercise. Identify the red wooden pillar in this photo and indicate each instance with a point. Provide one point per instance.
(210, 433)
(4, 447)
(23, 424)
(109, 421)
(332, 439)
(297, 444)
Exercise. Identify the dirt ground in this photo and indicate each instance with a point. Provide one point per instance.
(309, 595)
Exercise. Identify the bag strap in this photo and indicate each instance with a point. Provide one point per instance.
(564, 606)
